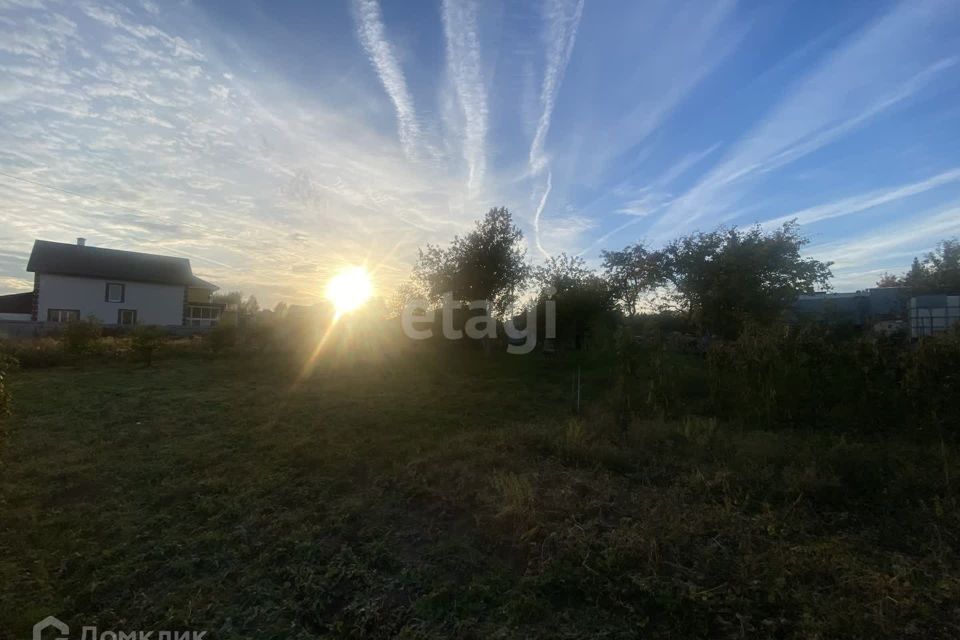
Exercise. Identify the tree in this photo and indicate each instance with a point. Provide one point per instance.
(235, 302)
(487, 264)
(729, 276)
(404, 294)
(631, 272)
(250, 306)
(941, 268)
(916, 278)
(583, 299)
(938, 272)
(889, 280)
(232, 300)
(280, 309)
(560, 273)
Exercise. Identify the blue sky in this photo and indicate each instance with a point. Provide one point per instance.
(274, 143)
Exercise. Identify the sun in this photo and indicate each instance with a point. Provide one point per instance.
(349, 289)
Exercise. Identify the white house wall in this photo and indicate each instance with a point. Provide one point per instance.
(158, 304)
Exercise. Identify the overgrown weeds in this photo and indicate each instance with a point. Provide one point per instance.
(804, 378)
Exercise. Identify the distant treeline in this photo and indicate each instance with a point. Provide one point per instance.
(716, 283)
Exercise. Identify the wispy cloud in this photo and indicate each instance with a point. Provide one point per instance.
(143, 128)
(863, 202)
(647, 204)
(891, 247)
(164, 143)
(691, 41)
(655, 196)
(563, 20)
(684, 164)
(373, 37)
(878, 69)
(539, 212)
(464, 62)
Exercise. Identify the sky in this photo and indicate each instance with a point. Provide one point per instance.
(275, 143)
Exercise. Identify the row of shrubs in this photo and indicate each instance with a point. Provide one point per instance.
(88, 341)
(802, 377)
(85, 341)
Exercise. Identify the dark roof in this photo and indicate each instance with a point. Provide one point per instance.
(200, 283)
(17, 303)
(96, 262)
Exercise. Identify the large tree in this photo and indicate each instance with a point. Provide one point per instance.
(889, 280)
(235, 302)
(729, 276)
(560, 273)
(939, 272)
(583, 300)
(489, 263)
(632, 272)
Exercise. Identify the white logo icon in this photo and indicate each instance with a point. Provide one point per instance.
(50, 621)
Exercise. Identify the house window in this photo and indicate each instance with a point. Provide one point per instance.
(115, 292)
(127, 316)
(63, 315)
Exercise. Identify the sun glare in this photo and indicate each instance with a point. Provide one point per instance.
(349, 289)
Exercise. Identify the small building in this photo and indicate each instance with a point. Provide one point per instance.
(17, 307)
(76, 281)
(932, 314)
(879, 306)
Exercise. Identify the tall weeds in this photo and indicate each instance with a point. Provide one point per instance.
(806, 377)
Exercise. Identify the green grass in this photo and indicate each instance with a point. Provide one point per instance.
(451, 498)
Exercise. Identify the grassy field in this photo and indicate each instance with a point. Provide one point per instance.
(452, 497)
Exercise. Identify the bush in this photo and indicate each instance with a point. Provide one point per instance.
(7, 364)
(221, 337)
(35, 353)
(931, 381)
(819, 377)
(80, 338)
(257, 336)
(805, 377)
(750, 377)
(657, 377)
(145, 341)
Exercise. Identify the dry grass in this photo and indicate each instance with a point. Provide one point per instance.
(452, 497)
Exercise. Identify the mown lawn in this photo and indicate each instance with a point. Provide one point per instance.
(455, 497)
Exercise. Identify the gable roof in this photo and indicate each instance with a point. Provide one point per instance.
(96, 262)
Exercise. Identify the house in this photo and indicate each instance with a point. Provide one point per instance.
(75, 281)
